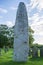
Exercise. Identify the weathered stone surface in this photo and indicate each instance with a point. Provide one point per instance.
(34, 51)
(21, 47)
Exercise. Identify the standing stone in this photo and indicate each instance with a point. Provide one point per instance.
(5, 48)
(0, 51)
(21, 47)
(41, 51)
(30, 51)
(34, 52)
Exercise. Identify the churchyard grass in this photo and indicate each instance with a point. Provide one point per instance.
(6, 59)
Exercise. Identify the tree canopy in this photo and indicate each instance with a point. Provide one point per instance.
(7, 35)
(31, 39)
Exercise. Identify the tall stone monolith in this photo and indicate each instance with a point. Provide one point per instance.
(21, 45)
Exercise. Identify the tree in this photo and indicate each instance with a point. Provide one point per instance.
(7, 35)
(3, 35)
(31, 39)
(3, 41)
(11, 36)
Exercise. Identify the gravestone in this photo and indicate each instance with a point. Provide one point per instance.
(34, 52)
(30, 51)
(41, 51)
(0, 51)
(21, 47)
(5, 48)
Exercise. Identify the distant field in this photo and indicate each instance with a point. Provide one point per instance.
(6, 59)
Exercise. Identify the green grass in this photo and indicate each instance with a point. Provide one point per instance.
(6, 59)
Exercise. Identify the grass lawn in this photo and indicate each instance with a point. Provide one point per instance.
(6, 59)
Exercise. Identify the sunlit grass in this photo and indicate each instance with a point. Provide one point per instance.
(7, 59)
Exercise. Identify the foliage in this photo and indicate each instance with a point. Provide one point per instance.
(31, 39)
(8, 33)
(3, 40)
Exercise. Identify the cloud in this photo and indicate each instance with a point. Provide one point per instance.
(40, 4)
(37, 26)
(9, 23)
(37, 20)
(27, 7)
(37, 23)
(33, 3)
(2, 10)
(34, 19)
(13, 8)
(38, 39)
(1, 17)
(36, 3)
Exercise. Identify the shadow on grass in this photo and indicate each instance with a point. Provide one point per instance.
(36, 59)
(31, 61)
(12, 63)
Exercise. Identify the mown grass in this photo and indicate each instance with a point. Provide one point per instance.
(6, 59)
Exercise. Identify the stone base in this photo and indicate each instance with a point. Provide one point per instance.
(21, 54)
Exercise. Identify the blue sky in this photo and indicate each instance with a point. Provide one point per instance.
(8, 10)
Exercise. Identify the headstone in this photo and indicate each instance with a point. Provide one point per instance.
(41, 51)
(34, 52)
(21, 47)
(0, 51)
(30, 51)
(4, 48)
(38, 51)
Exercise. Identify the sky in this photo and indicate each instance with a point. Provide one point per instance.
(8, 9)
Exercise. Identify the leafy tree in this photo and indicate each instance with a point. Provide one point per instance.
(31, 39)
(3, 35)
(3, 40)
(6, 35)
